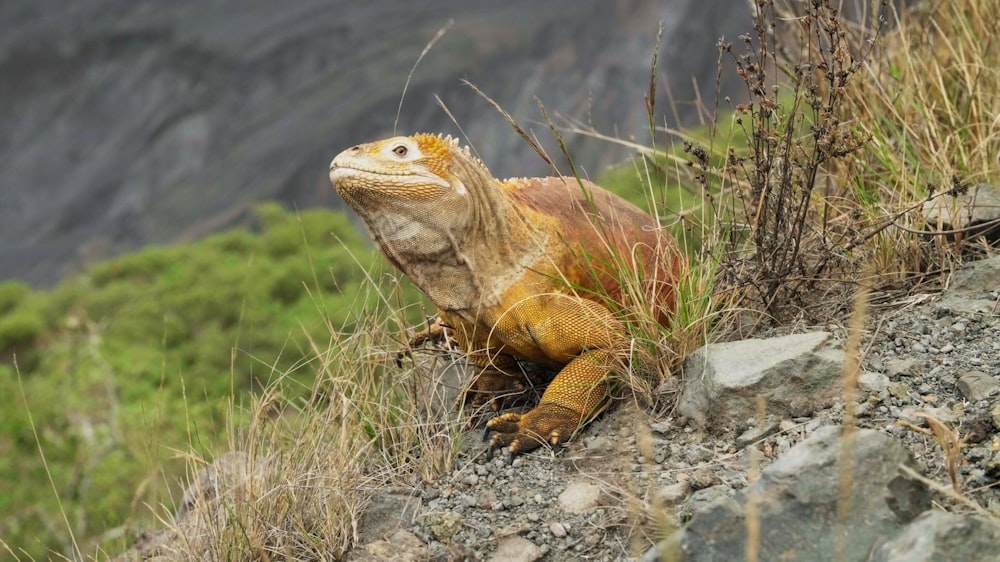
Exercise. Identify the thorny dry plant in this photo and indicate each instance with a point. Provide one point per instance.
(782, 230)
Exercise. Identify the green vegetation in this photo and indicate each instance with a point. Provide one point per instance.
(155, 353)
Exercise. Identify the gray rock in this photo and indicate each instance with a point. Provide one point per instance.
(444, 525)
(916, 415)
(661, 427)
(904, 366)
(937, 536)
(977, 385)
(674, 493)
(757, 432)
(873, 382)
(579, 497)
(517, 549)
(703, 478)
(600, 445)
(705, 498)
(387, 513)
(797, 500)
(227, 472)
(993, 466)
(974, 288)
(796, 374)
(978, 209)
(401, 545)
(898, 390)
(558, 530)
(439, 379)
(697, 454)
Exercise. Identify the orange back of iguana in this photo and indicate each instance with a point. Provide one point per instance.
(605, 235)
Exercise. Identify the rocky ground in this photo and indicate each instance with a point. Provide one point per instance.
(634, 477)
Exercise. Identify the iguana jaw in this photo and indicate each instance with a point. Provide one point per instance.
(348, 177)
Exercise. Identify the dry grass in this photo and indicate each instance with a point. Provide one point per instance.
(929, 102)
(299, 476)
(950, 441)
(930, 98)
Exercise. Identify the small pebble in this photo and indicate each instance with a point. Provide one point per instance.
(704, 478)
(662, 427)
(674, 493)
(898, 390)
(873, 382)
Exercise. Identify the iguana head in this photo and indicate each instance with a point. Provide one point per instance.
(403, 170)
(423, 198)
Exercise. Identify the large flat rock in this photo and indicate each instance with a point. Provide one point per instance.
(796, 375)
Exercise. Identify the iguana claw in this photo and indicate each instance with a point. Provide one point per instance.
(520, 433)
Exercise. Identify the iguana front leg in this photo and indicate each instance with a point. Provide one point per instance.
(574, 396)
(589, 340)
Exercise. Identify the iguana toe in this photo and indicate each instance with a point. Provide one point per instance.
(520, 433)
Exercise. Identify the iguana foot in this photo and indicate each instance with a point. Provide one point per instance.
(520, 433)
(493, 388)
(436, 333)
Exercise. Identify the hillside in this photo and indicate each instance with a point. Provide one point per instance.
(125, 124)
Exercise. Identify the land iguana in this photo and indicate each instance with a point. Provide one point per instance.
(522, 270)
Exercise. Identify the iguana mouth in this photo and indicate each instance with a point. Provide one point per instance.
(377, 179)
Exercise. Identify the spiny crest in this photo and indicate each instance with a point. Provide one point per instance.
(439, 145)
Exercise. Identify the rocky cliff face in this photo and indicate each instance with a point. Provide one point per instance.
(126, 123)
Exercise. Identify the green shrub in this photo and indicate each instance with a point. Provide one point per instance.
(145, 265)
(19, 328)
(11, 295)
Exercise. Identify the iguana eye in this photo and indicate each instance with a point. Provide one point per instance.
(400, 150)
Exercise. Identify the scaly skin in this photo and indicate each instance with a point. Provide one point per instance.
(521, 270)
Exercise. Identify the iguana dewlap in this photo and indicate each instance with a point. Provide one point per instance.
(521, 269)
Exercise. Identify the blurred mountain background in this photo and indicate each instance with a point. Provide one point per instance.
(125, 123)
